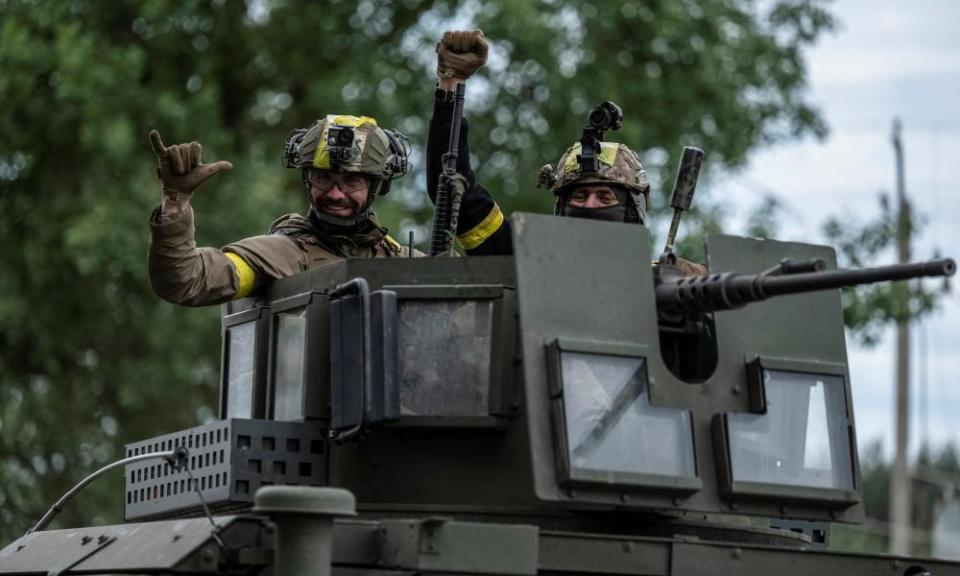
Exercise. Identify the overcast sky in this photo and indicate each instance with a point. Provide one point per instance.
(888, 58)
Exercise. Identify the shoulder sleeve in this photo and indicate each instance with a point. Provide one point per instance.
(182, 273)
(270, 257)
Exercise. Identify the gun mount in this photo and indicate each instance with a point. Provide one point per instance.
(511, 415)
(685, 304)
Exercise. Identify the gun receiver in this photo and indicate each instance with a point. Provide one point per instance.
(694, 295)
(447, 208)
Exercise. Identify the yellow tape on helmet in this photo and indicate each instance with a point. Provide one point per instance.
(321, 158)
(608, 155)
(355, 121)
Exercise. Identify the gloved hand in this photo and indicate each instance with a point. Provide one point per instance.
(182, 172)
(461, 53)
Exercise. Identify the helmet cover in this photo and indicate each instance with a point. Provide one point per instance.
(619, 166)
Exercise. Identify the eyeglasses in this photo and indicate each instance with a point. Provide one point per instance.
(348, 181)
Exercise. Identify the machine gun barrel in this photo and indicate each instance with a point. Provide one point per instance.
(731, 290)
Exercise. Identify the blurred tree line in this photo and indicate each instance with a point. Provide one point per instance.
(936, 479)
(90, 359)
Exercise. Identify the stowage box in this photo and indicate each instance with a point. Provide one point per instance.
(229, 460)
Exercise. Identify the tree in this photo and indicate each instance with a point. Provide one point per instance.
(868, 310)
(90, 359)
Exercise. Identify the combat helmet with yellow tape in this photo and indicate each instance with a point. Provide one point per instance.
(342, 143)
(606, 164)
(618, 167)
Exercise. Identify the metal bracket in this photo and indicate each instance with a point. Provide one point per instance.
(430, 534)
(102, 542)
(444, 545)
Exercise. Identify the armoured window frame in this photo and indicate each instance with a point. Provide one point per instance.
(746, 490)
(315, 377)
(501, 401)
(622, 481)
(259, 316)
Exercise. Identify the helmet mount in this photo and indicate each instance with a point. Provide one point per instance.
(350, 144)
(606, 116)
(593, 162)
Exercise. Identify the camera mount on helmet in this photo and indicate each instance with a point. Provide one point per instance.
(340, 143)
(291, 152)
(606, 116)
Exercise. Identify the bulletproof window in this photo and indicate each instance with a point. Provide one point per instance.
(240, 371)
(607, 431)
(288, 390)
(455, 343)
(295, 372)
(802, 439)
(243, 382)
(444, 356)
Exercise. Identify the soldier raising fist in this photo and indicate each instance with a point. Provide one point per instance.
(615, 190)
(459, 55)
(481, 227)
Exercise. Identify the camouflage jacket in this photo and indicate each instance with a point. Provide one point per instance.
(182, 273)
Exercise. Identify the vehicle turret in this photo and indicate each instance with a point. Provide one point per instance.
(530, 414)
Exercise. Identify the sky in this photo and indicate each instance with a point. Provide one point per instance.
(886, 59)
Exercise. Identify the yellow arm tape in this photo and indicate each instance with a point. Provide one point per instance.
(479, 233)
(246, 277)
(393, 243)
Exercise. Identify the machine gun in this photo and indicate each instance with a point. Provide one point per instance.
(685, 303)
(681, 297)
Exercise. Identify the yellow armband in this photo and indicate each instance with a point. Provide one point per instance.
(246, 277)
(479, 233)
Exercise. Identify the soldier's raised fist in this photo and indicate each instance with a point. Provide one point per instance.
(460, 53)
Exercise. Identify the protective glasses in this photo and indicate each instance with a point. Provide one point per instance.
(348, 181)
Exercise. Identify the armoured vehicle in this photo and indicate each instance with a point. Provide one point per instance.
(565, 410)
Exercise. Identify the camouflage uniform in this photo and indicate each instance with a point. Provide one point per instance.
(182, 273)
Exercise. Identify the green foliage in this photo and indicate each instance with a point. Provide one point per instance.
(934, 483)
(762, 221)
(91, 359)
(868, 309)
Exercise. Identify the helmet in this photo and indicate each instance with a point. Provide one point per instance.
(619, 167)
(343, 143)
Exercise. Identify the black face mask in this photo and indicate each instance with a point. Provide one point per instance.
(616, 213)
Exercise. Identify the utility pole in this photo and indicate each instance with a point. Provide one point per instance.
(900, 488)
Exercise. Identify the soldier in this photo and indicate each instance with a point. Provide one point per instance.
(618, 191)
(345, 163)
